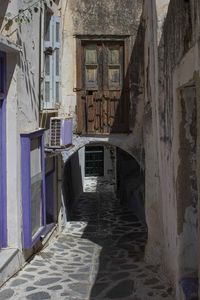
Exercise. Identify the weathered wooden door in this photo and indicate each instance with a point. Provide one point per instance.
(102, 95)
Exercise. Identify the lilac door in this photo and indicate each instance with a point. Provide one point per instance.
(3, 220)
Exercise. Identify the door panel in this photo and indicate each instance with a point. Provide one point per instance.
(101, 99)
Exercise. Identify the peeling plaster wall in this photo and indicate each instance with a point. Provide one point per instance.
(22, 105)
(186, 162)
(186, 192)
(153, 185)
(178, 60)
(121, 17)
(171, 64)
(22, 108)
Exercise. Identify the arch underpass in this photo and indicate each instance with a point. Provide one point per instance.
(103, 189)
(125, 142)
(120, 170)
(106, 223)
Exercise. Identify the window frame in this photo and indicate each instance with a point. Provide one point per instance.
(120, 65)
(28, 240)
(103, 65)
(95, 66)
(52, 78)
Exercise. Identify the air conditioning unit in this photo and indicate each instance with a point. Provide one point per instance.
(60, 132)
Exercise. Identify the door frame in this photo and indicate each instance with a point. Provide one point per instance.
(80, 40)
(3, 182)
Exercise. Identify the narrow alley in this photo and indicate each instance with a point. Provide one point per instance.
(100, 149)
(99, 255)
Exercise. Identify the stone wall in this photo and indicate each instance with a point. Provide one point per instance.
(172, 89)
(23, 53)
(21, 107)
(104, 19)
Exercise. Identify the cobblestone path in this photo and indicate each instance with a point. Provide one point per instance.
(99, 255)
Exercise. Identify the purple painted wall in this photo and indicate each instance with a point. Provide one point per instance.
(66, 131)
(28, 240)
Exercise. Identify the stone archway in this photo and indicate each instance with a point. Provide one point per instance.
(124, 142)
(128, 179)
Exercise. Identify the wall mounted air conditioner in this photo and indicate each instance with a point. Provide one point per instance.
(60, 132)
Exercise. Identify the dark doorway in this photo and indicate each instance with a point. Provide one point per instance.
(94, 161)
(110, 224)
(130, 184)
(50, 191)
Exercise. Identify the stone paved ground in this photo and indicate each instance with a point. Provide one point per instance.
(99, 255)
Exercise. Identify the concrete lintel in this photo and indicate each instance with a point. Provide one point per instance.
(122, 141)
(8, 45)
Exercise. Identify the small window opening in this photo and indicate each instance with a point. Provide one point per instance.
(89, 93)
(94, 161)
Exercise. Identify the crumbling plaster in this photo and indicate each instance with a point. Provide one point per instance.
(151, 133)
(103, 18)
(168, 67)
(187, 190)
(22, 105)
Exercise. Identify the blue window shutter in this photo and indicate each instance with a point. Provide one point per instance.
(56, 59)
(52, 67)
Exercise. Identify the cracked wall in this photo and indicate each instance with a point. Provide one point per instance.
(104, 19)
(171, 72)
(187, 197)
(22, 107)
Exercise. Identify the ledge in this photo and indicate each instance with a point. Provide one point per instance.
(8, 45)
(33, 133)
(10, 262)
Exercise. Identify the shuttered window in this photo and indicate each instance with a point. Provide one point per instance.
(91, 66)
(103, 92)
(51, 61)
(103, 65)
(114, 67)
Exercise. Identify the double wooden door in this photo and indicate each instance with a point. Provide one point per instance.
(102, 90)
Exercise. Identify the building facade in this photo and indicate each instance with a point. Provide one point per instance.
(28, 213)
(171, 121)
(127, 74)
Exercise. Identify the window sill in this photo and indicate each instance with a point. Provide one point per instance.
(49, 110)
